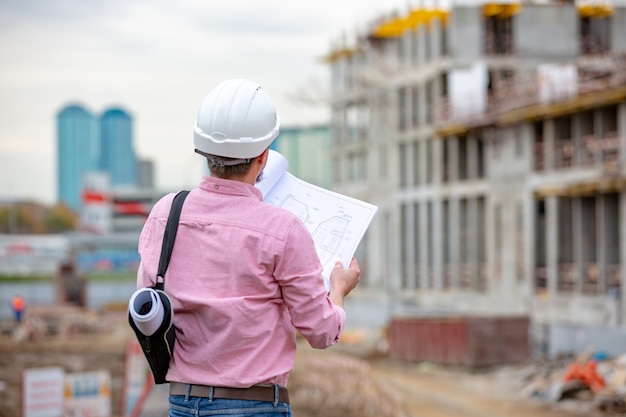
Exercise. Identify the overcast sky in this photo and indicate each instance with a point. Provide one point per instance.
(156, 59)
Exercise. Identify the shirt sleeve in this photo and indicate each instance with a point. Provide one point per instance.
(149, 246)
(299, 273)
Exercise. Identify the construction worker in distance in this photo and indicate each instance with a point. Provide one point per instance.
(18, 305)
(244, 276)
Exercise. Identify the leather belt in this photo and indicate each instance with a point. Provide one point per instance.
(254, 393)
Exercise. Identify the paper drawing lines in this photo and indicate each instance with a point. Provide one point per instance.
(297, 207)
(327, 235)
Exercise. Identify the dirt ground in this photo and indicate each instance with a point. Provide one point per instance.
(384, 387)
(341, 381)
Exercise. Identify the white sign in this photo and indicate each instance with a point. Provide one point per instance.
(42, 392)
(88, 394)
(468, 90)
(137, 379)
(557, 82)
(96, 208)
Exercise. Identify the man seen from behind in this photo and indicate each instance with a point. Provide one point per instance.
(244, 276)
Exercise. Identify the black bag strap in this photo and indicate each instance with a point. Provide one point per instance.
(169, 236)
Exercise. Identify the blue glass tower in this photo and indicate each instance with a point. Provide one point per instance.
(78, 147)
(117, 156)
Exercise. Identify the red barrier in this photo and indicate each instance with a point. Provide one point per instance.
(469, 341)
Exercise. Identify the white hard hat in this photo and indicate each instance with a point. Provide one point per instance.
(236, 120)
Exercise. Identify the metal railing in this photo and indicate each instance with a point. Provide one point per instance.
(586, 151)
(586, 75)
(582, 278)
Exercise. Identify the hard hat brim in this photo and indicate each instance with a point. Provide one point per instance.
(234, 147)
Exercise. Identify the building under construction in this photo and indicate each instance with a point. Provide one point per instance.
(493, 140)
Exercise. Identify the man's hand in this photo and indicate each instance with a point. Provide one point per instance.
(343, 280)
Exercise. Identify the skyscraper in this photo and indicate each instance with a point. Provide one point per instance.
(78, 147)
(87, 144)
(117, 155)
(145, 173)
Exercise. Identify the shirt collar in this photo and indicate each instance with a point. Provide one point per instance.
(232, 187)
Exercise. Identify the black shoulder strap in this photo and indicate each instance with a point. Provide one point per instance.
(169, 236)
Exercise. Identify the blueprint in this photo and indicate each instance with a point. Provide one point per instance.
(336, 222)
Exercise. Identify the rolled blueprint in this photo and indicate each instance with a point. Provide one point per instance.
(146, 310)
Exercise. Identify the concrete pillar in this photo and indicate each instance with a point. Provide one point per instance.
(552, 242)
(454, 240)
(483, 230)
(508, 227)
(436, 161)
(438, 215)
(380, 267)
(601, 242)
(390, 270)
(453, 158)
(598, 123)
(529, 244)
(621, 134)
(437, 233)
(548, 144)
(413, 52)
(472, 158)
(421, 44)
(375, 252)
(472, 234)
(408, 239)
(576, 138)
(403, 165)
(622, 255)
(494, 250)
(423, 245)
(421, 106)
(405, 50)
(390, 276)
(578, 247)
(393, 231)
(415, 163)
(488, 236)
(435, 38)
(423, 164)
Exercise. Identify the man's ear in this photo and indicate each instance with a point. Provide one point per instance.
(261, 159)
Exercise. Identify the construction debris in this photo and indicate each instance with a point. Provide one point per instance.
(592, 380)
(44, 322)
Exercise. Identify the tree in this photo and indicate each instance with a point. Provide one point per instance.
(33, 218)
(8, 219)
(60, 219)
(16, 219)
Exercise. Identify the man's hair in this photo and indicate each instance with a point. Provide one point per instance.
(220, 170)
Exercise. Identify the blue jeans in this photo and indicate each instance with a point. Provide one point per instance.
(180, 406)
